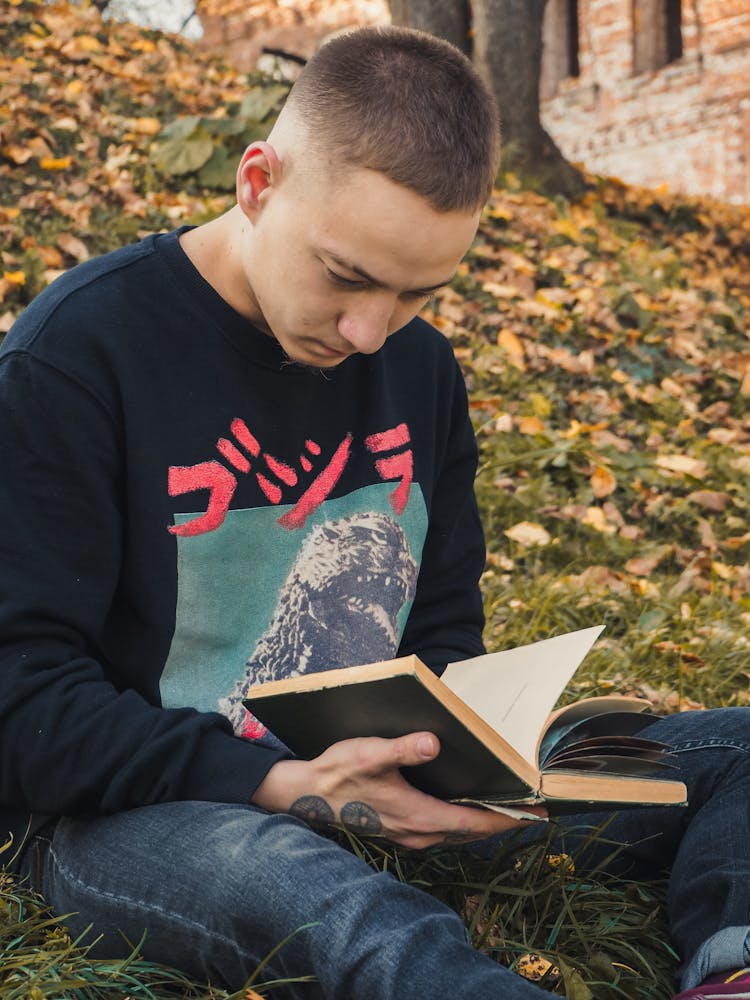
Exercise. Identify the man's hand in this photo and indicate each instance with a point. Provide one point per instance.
(356, 784)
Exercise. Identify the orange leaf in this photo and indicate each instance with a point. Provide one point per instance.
(603, 482)
(146, 126)
(17, 154)
(55, 162)
(15, 277)
(531, 425)
(513, 346)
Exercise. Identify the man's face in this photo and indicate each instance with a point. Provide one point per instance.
(334, 267)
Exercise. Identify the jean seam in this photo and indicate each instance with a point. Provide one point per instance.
(710, 744)
(147, 907)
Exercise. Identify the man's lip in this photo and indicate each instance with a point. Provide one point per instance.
(332, 352)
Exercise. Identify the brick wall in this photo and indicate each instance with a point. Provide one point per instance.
(686, 124)
(240, 29)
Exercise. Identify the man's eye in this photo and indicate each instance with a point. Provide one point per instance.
(339, 279)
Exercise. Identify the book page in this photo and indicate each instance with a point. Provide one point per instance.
(515, 690)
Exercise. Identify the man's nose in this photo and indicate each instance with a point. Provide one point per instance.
(366, 325)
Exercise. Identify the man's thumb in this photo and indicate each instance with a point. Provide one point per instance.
(418, 748)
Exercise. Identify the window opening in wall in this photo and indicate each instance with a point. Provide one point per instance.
(560, 41)
(657, 34)
(673, 16)
(574, 68)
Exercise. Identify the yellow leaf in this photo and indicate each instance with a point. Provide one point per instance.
(87, 43)
(528, 534)
(55, 162)
(535, 967)
(722, 570)
(513, 346)
(74, 89)
(15, 277)
(146, 126)
(547, 300)
(143, 45)
(567, 227)
(603, 482)
(646, 588)
(499, 212)
(540, 404)
(597, 519)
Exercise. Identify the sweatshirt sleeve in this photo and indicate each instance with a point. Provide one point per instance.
(73, 739)
(447, 617)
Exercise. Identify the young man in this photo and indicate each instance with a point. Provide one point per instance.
(232, 453)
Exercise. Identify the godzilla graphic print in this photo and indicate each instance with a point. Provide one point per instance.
(337, 607)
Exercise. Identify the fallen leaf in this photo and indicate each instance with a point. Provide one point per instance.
(528, 534)
(737, 541)
(56, 162)
(643, 565)
(72, 245)
(531, 425)
(513, 347)
(597, 519)
(603, 482)
(6, 321)
(683, 464)
(710, 500)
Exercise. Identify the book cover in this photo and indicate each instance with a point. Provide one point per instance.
(501, 743)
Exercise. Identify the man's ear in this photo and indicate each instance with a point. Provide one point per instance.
(259, 170)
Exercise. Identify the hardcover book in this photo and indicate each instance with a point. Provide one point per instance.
(501, 742)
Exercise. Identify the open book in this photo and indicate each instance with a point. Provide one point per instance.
(501, 743)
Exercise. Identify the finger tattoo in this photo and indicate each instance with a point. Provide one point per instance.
(313, 810)
(360, 818)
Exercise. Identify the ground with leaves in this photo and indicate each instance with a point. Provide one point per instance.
(605, 345)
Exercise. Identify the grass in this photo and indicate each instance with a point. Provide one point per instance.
(605, 347)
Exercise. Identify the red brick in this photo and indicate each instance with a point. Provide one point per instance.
(686, 124)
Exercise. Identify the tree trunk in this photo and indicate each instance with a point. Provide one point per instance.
(507, 50)
(449, 19)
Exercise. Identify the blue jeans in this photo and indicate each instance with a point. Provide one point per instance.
(217, 887)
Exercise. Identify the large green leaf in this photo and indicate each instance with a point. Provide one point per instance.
(260, 101)
(183, 156)
(180, 128)
(220, 171)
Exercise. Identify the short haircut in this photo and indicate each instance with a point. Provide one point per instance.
(408, 105)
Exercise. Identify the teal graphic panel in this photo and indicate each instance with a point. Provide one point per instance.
(258, 601)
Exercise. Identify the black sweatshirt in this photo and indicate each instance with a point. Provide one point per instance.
(183, 512)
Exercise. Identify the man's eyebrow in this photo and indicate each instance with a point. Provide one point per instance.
(349, 266)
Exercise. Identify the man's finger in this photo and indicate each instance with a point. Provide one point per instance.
(414, 748)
